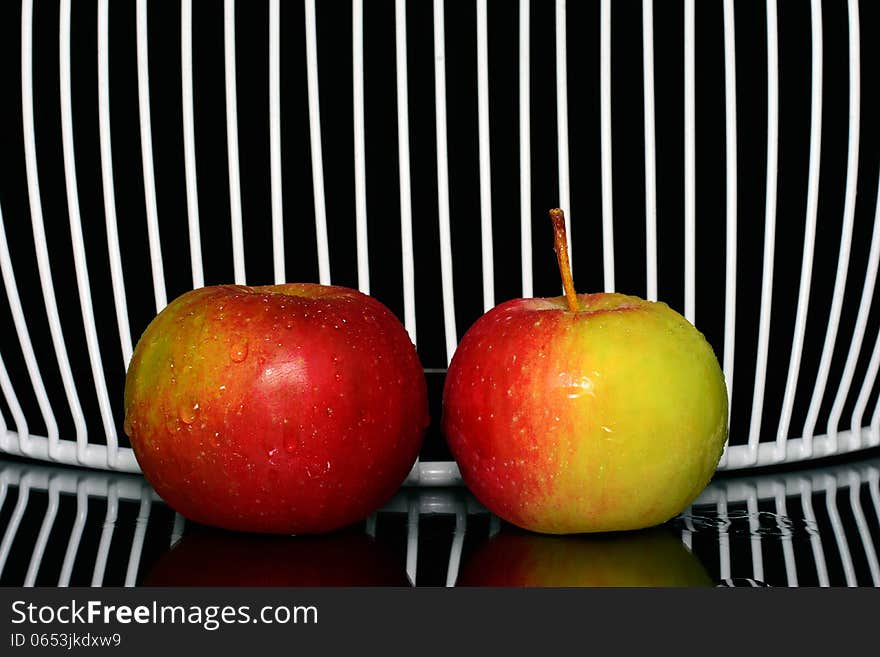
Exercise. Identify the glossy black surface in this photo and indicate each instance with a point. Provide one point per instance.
(809, 527)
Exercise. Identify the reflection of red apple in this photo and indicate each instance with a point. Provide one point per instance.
(215, 558)
(653, 557)
(295, 408)
(585, 413)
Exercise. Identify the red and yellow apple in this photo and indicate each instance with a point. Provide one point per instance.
(295, 408)
(215, 558)
(651, 557)
(585, 413)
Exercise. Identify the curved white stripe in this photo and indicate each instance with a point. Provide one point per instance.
(690, 172)
(855, 345)
(443, 180)
(232, 141)
(275, 140)
(360, 164)
(730, 149)
(315, 141)
(82, 509)
(30, 576)
(110, 219)
(106, 534)
(650, 150)
(46, 284)
(143, 66)
(406, 237)
(525, 150)
(769, 227)
(83, 285)
(800, 326)
(562, 121)
(189, 143)
(605, 122)
(852, 173)
(488, 261)
(18, 417)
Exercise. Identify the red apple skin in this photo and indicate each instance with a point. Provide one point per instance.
(609, 418)
(216, 558)
(293, 409)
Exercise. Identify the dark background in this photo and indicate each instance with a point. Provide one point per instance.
(335, 70)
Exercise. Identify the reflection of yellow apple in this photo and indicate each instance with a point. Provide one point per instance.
(216, 558)
(654, 557)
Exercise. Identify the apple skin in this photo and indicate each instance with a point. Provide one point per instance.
(650, 557)
(216, 558)
(612, 417)
(294, 409)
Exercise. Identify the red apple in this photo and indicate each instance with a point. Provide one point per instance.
(585, 413)
(652, 557)
(296, 408)
(216, 558)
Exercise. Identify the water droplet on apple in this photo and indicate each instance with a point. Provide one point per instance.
(188, 412)
(239, 351)
(329, 411)
(606, 429)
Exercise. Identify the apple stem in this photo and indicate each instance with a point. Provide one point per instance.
(560, 245)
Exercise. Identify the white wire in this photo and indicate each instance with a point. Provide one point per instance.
(143, 66)
(815, 538)
(839, 533)
(137, 543)
(457, 545)
(189, 144)
(525, 150)
(852, 171)
(82, 509)
(650, 150)
(46, 284)
(315, 141)
(275, 140)
(769, 228)
(855, 345)
(755, 538)
(605, 122)
(689, 165)
(443, 181)
(855, 485)
(723, 536)
(24, 486)
(110, 219)
(406, 236)
(485, 155)
(562, 121)
(800, 325)
(731, 210)
(30, 576)
(360, 165)
(232, 141)
(787, 546)
(83, 284)
(18, 417)
(106, 534)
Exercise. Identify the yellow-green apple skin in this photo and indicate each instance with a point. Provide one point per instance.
(652, 557)
(611, 417)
